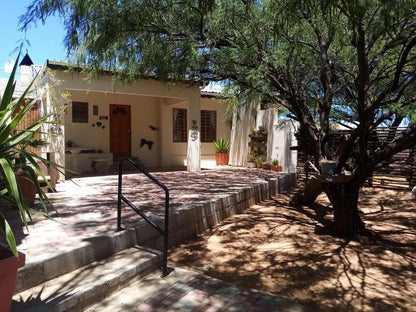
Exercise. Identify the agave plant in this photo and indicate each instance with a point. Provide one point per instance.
(14, 156)
(222, 146)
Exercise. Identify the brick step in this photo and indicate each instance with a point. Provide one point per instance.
(67, 259)
(89, 284)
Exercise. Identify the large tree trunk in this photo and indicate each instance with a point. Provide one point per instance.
(344, 199)
(343, 194)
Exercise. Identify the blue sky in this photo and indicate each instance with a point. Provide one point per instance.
(45, 41)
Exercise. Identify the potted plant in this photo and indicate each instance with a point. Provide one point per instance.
(222, 150)
(16, 161)
(259, 161)
(275, 165)
(251, 159)
(267, 165)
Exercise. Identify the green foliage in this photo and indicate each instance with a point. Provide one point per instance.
(222, 146)
(275, 162)
(251, 157)
(260, 159)
(14, 156)
(325, 62)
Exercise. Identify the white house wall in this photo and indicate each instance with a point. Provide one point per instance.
(144, 113)
(151, 104)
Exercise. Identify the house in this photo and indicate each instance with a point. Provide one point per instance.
(162, 124)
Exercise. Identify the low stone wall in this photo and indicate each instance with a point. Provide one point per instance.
(189, 220)
(81, 163)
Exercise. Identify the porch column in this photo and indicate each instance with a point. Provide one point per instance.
(194, 134)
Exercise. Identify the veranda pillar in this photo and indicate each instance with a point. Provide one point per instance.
(194, 135)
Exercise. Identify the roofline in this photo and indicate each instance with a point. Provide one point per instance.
(64, 66)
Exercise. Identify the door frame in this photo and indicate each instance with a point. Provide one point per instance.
(127, 127)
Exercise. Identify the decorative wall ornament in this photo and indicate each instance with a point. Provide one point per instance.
(95, 110)
(146, 142)
(153, 128)
(55, 129)
(194, 130)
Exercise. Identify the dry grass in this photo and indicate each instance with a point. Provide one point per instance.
(279, 248)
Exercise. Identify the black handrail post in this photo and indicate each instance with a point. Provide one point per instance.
(165, 231)
(166, 240)
(120, 181)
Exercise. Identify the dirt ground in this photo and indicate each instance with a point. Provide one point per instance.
(281, 249)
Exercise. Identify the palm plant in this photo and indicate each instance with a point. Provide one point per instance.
(15, 157)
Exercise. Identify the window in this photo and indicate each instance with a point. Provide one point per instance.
(80, 112)
(208, 126)
(179, 125)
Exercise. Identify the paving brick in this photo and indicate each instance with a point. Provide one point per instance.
(216, 301)
(228, 290)
(197, 295)
(171, 298)
(155, 304)
(181, 288)
(248, 295)
(237, 306)
(206, 308)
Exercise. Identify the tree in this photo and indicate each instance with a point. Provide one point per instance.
(324, 61)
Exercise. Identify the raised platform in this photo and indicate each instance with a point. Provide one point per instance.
(86, 227)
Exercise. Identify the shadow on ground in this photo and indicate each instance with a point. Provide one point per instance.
(274, 247)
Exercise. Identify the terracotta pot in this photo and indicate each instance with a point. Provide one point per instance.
(8, 273)
(27, 188)
(277, 168)
(222, 159)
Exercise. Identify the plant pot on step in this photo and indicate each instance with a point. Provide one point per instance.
(277, 168)
(8, 273)
(222, 159)
(259, 165)
(251, 164)
(27, 188)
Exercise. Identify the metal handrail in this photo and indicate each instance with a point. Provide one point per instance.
(164, 232)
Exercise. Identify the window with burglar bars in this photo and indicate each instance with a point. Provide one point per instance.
(208, 125)
(179, 125)
(80, 112)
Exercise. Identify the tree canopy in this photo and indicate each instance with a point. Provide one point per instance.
(326, 62)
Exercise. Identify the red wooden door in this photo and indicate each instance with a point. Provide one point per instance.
(120, 130)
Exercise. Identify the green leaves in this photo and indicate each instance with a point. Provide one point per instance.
(14, 156)
(222, 146)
